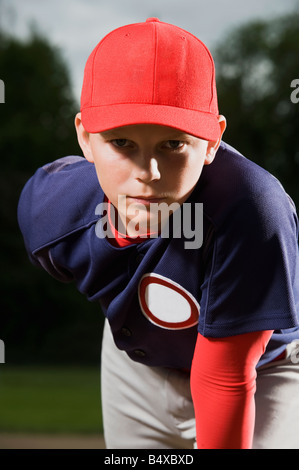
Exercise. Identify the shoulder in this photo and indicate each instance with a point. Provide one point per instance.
(235, 186)
(59, 199)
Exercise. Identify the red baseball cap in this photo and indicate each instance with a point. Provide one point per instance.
(151, 73)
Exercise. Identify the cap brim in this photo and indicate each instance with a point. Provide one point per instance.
(200, 124)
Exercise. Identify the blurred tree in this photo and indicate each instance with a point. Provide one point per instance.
(37, 125)
(41, 320)
(255, 66)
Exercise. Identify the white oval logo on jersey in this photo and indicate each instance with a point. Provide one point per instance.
(167, 304)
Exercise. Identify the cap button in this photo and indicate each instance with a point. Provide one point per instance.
(152, 19)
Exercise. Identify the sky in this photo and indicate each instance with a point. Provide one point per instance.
(76, 26)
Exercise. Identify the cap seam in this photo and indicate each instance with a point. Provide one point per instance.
(95, 51)
(212, 64)
(155, 62)
(92, 68)
(213, 70)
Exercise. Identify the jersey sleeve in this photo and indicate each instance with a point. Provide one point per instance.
(252, 275)
(58, 201)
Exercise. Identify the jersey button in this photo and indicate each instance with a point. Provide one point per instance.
(126, 331)
(140, 353)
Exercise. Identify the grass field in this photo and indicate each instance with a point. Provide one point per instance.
(50, 400)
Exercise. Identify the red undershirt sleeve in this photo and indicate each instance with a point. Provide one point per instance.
(223, 383)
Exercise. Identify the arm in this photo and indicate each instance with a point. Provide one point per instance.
(223, 384)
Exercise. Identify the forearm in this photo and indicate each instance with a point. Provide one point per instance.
(223, 386)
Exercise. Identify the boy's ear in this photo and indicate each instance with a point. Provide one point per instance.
(214, 145)
(83, 139)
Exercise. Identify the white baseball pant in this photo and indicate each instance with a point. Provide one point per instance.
(151, 407)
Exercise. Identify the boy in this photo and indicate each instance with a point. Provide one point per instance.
(191, 330)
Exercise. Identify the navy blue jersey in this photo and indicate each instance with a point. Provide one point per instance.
(158, 294)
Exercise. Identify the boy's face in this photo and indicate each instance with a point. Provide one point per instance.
(145, 164)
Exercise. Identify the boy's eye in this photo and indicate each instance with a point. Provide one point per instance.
(174, 144)
(120, 143)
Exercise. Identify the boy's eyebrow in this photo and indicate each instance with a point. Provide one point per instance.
(109, 133)
(176, 134)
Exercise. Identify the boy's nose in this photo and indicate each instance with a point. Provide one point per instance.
(148, 170)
